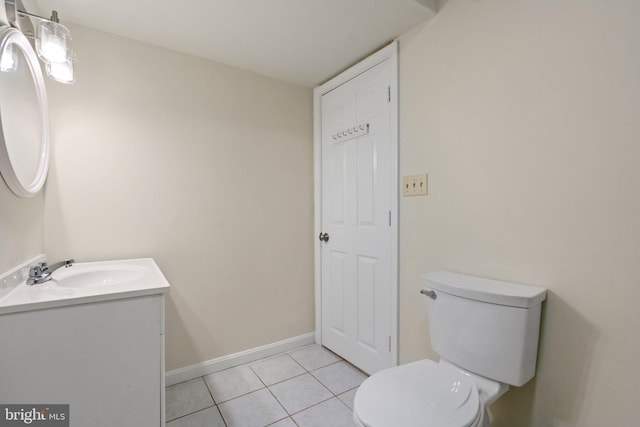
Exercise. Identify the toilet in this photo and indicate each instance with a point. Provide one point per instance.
(486, 334)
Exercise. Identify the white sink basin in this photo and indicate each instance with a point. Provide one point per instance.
(83, 276)
(88, 282)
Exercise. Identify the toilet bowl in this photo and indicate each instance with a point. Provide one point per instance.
(486, 333)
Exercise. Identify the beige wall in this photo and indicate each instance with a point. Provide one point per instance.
(21, 228)
(526, 115)
(205, 168)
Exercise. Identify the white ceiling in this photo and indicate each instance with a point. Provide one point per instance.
(299, 41)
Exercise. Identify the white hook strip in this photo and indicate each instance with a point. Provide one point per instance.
(351, 132)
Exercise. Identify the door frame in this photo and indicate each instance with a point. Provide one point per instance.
(389, 52)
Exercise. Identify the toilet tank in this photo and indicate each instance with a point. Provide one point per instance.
(488, 327)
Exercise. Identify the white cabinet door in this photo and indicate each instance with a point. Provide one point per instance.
(356, 261)
(103, 359)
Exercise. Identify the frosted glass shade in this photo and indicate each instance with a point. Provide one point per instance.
(51, 42)
(61, 72)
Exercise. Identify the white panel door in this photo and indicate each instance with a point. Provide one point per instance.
(356, 283)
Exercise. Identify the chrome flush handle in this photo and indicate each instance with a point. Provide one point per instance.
(431, 294)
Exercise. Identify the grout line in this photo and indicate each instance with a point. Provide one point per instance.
(295, 376)
(242, 395)
(209, 390)
(222, 417)
(214, 401)
(270, 392)
(311, 406)
(325, 366)
(307, 407)
(256, 374)
(299, 364)
(278, 382)
(279, 403)
(347, 406)
(190, 413)
(183, 382)
(281, 419)
(358, 369)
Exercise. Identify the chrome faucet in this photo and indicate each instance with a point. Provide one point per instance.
(42, 272)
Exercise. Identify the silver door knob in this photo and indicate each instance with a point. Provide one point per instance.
(324, 237)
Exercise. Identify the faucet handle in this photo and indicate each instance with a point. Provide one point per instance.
(39, 269)
(38, 273)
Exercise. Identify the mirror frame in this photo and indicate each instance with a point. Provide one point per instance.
(13, 36)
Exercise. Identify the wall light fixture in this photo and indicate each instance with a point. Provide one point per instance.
(52, 41)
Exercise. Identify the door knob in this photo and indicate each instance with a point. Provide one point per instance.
(324, 237)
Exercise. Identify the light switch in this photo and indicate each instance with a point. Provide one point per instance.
(414, 185)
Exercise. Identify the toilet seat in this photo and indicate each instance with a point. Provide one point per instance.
(418, 394)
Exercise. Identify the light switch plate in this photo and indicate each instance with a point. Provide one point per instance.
(414, 185)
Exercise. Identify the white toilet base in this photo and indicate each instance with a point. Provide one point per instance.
(482, 421)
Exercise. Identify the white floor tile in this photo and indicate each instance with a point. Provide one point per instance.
(339, 377)
(347, 397)
(314, 356)
(330, 413)
(256, 409)
(187, 397)
(206, 418)
(300, 393)
(231, 383)
(277, 369)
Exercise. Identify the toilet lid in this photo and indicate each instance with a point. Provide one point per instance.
(419, 394)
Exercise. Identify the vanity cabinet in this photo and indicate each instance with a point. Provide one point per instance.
(105, 359)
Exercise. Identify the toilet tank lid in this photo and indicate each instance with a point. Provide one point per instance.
(485, 290)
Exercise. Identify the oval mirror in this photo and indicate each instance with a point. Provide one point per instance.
(24, 122)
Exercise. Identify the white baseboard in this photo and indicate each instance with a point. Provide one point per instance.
(214, 365)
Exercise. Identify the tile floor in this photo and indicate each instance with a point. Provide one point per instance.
(306, 387)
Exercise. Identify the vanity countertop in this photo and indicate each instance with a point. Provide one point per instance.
(82, 283)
